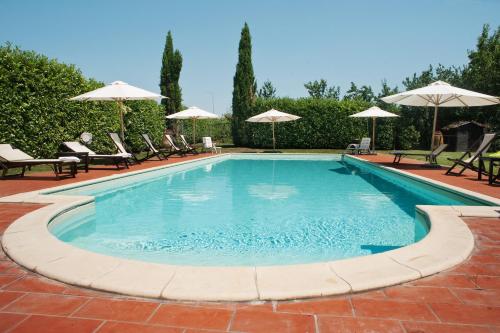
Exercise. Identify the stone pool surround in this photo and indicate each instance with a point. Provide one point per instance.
(29, 242)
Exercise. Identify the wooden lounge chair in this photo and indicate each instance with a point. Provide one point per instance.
(468, 163)
(89, 156)
(152, 150)
(187, 147)
(174, 150)
(209, 145)
(14, 158)
(431, 157)
(362, 147)
(121, 147)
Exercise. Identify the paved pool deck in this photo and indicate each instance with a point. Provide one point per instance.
(463, 299)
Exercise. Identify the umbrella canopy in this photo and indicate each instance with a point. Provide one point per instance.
(193, 113)
(273, 116)
(119, 92)
(439, 94)
(374, 112)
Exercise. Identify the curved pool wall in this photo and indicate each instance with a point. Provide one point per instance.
(273, 210)
(28, 242)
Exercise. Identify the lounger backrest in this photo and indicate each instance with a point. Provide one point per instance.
(77, 147)
(10, 154)
(118, 142)
(184, 141)
(439, 149)
(171, 142)
(483, 147)
(147, 139)
(207, 142)
(365, 143)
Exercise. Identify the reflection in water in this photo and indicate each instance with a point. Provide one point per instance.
(272, 192)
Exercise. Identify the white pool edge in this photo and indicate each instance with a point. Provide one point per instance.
(29, 243)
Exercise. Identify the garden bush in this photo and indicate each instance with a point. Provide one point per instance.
(36, 114)
(325, 123)
(218, 129)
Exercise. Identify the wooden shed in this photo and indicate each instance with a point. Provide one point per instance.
(461, 135)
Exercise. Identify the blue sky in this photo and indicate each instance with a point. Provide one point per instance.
(293, 41)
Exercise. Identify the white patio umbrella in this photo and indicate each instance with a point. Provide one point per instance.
(193, 113)
(119, 92)
(441, 94)
(273, 116)
(374, 112)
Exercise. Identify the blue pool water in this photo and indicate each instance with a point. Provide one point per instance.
(252, 211)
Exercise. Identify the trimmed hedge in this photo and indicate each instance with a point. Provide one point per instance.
(218, 129)
(325, 123)
(36, 115)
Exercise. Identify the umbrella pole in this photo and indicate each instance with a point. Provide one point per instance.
(274, 140)
(434, 126)
(373, 134)
(122, 124)
(194, 129)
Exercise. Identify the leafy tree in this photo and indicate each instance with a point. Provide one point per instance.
(169, 77)
(320, 89)
(482, 74)
(267, 91)
(365, 93)
(244, 89)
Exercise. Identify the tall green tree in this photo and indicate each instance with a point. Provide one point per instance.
(482, 74)
(267, 90)
(365, 93)
(169, 77)
(244, 89)
(320, 89)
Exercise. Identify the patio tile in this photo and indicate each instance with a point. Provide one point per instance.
(119, 327)
(421, 294)
(255, 321)
(419, 327)
(329, 324)
(479, 297)
(7, 297)
(116, 309)
(467, 314)
(46, 304)
(473, 268)
(486, 259)
(340, 307)
(49, 324)
(7, 279)
(192, 317)
(374, 294)
(392, 310)
(36, 284)
(445, 280)
(488, 282)
(9, 320)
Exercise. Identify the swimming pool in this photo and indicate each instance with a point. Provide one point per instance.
(252, 210)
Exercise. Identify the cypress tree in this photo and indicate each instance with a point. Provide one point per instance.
(244, 88)
(169, 77)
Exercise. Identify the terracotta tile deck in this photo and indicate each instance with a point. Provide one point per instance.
(463, 299)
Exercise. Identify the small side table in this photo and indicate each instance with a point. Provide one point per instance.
(493, 161)
(84, 158)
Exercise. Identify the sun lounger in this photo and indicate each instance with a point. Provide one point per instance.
(431, 157)
(187, 147)
(362, 147)
(14, 158)
(174, 150)
(468, 163)
(90, 156)
(152, 150)
(121, 147)
(209, 145)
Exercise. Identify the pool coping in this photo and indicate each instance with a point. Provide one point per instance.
(448, 243)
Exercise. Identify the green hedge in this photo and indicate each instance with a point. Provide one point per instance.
(325, 123)
(218, 129)
(36, 115)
